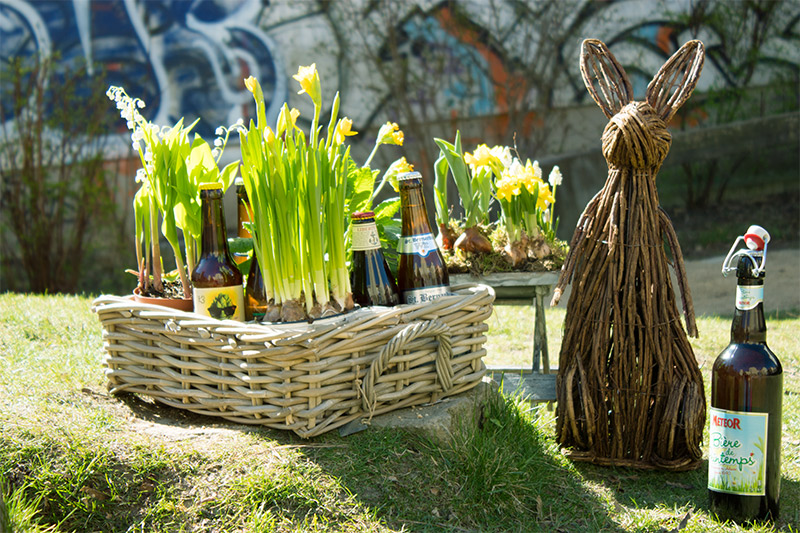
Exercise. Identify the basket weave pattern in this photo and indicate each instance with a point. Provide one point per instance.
(308, 378)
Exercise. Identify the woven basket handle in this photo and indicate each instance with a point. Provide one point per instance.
(427, 328)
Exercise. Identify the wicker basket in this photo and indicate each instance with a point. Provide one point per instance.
(309, 378)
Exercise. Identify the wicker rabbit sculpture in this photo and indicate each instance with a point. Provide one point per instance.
(629, 390)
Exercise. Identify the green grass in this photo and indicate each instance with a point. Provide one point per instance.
(72, 458)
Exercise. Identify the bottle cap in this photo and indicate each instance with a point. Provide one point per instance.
(756, 237)
(362, 215)
(238, 181)
(409, 176)
(210, 186)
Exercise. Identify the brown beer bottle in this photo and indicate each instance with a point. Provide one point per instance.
(255, 293)
(744, 458)
(421, 271)
(371, 280)
(217, 282)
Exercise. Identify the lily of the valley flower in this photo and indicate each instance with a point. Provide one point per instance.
(309, 81)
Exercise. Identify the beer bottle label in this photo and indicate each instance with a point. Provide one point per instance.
(422, 244)
(364, 237)
(223, 303)
(425, 294)
(749, 296)
(737, 452)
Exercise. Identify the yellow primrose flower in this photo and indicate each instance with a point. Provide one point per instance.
(390, 133)
(309, 82)
(343, 129)
(398, 167)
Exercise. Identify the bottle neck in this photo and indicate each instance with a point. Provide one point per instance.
(414, 214)
(749, 325)
(364, 235)
(214, 240)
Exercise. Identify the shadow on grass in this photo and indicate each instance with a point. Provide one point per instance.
(646, 489)
(499, 472)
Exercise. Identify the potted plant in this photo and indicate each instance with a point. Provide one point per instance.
(174, 164)
(508, 222)
(302, 189)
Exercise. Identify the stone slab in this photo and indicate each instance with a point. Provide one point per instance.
(437, 421)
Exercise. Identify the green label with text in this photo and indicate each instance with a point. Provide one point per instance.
(737, 452)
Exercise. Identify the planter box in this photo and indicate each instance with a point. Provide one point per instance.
(308, 378)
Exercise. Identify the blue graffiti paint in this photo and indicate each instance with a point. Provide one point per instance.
(183, 58)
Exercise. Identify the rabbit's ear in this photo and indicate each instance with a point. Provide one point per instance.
(604, 77)
(676, 80)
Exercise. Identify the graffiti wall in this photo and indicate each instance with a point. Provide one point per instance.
(187, 58)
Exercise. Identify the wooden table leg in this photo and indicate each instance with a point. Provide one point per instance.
(540, 330)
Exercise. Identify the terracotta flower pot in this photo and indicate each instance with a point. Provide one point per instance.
(179, 304)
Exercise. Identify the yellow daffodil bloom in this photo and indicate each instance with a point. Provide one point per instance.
(508, 187)
(545, 197)
(343, 129)
(287, 119)
(250, 84)
(481, 157)
(269, 135)
(309, 83)
(503, 154)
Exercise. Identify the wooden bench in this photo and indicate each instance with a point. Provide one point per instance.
(535, 382)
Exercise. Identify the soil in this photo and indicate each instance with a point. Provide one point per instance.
(172, 290)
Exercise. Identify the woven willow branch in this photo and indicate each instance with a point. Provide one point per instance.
(629, 390)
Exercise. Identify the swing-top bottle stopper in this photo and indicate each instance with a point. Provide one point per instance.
(755, 240)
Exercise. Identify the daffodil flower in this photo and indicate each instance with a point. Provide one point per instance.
(344, 129)
(287, 119)
(269, 135)
(309, 83)
(481, 157)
